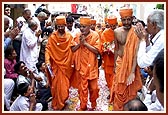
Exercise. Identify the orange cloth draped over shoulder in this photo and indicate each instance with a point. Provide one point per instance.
(82, 57)
(85, 57)
(86, 64)
(120, 92)
(108, 57)
(75, 79)
(59, 55)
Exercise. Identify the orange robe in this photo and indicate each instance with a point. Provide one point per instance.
(100, 33)
(108, 58)
(86, 64)
(121, 93)
(59, 55)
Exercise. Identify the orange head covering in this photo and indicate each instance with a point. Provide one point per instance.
(85, 21)
(125, 12)
(93, 21)
(60, 20)
(112, 20)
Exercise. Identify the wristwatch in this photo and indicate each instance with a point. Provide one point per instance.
(149, 92)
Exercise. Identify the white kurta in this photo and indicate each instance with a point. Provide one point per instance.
(22, 104)
(145, 58)
(29, 49)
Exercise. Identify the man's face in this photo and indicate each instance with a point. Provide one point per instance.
(69, 25)
(61, 29)
(13, 55)
(34, 28)
(29, 91)
(23, 69)
(7, 11)
(6, 24)
(85, 29)
(112, 26)
(93, 26)
(127, 22)
(41, 19)
(150, 27)
(27, 15)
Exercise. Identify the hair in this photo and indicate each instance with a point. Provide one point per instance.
(22, 88)
(135, 105)
(142, 22)
(38, 65)
(42, 14)
(159, 69)
(69, 19)
(31, 23)
(46, 11)
(151, 67)
(77, 25)
(9, 51)
(6, 6)
(26, 10)
(17, 66)
(157, 17)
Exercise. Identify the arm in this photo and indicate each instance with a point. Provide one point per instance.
(76, 47)
(145, 58)
(87, 45)
(9, 70)
(116, 49)
(131, 77)
(10, 35)
(31, 39)
(91, 48)
(7, 42)
(32, 102)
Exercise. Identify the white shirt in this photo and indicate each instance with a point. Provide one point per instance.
(10, 22)
(73, 31)
(29, 49)
(23, 28)
(145, 58)
(22, 79)
(22, 104)
(9, 85)
(152, 102)
(44, 79)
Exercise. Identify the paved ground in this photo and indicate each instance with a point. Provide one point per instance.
(73, 103)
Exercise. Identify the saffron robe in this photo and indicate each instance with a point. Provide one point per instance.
(59, 55)
(120, 92)
(108, 57)
(86, 64)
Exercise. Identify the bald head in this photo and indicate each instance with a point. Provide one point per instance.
(135, 105)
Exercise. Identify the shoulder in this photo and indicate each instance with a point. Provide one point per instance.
(94, 33)
(118, 30)
(20, 19)
(106, 30)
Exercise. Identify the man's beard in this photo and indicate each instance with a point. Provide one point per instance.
(127, 27)
(61, 31)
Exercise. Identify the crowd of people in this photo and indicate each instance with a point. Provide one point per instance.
(45, 54)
